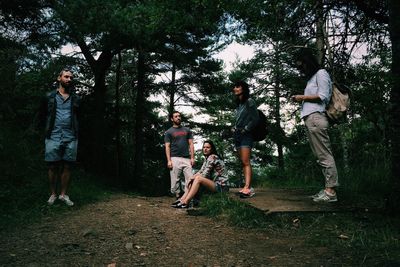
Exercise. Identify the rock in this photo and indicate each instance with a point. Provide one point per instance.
(132, 231)
(342, 236)
(129, 245)
(88, 232)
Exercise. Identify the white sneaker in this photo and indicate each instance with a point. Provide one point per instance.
(326, 197)
(66, 200)
(319, 194)
(51, 200)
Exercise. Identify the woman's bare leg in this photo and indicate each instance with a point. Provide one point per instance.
(199, 180)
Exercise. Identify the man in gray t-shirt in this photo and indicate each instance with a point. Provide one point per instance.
(179, 150)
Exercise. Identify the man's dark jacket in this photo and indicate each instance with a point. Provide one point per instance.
(48, 112)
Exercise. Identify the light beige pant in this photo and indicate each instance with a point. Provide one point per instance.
(180, 165)
(317, 131)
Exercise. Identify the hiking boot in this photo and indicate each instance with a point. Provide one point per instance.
(66, 200)
(52, 199)
(326, 197)
(319, 194)
(246, 193)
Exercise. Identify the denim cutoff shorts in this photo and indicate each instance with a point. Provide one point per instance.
(60, 150)
(221, 189)
(243, 139)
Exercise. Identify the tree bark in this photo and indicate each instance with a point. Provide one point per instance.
(97, 139)
(172, 89)
(95, 157)
(393, 202)
(345, 148)
(320, 24)
(137, 181)
(117, 121)
(277, 108)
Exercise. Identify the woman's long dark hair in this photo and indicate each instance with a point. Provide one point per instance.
(213, 148)
(245, 92)
(307, 57)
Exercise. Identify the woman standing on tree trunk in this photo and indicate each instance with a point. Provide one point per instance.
(317, 95)
(245, 120)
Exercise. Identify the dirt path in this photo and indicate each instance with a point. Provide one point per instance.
(137, 231)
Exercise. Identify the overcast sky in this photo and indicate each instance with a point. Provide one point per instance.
(234, 51)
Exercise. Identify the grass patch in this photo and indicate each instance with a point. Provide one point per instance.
(24, 186)
(26, 201)
(365, 186)
(236, 212)
(370, 238)
(363, 238)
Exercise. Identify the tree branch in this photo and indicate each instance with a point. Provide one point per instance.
(374, 10)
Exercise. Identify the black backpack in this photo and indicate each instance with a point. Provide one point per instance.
(260, 131)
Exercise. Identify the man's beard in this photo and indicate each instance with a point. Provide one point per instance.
(67, 86)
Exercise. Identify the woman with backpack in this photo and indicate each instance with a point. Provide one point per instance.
(246, 119)
(316, 97)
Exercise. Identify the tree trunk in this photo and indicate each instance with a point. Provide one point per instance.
(320, 24)
(117, 121)
(345, 148)
(172, 89)
(97, 128)
(277, 107)
(393, 204)
(281, 163)
(95, 141)
(137, 180)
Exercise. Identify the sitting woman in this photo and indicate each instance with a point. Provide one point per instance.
(213, 166)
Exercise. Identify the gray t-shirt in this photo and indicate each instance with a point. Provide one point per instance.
(178, 138)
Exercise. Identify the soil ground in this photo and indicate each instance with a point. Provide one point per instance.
(139, 231)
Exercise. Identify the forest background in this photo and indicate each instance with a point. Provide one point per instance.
(139, 60)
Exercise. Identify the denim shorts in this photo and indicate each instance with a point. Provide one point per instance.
(243, 139)
(60, 150)
(221, 189)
